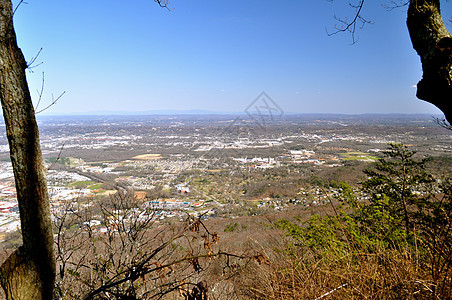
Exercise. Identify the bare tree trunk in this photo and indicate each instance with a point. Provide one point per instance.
(433, 42)
(29, 273)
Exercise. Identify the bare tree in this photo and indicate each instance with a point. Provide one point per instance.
(118, 249)
(29, 273)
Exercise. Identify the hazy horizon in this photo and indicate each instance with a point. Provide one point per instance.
(196, 112)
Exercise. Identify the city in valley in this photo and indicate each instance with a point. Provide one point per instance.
(214, 166)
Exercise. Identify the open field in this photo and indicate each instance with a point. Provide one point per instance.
(361, 156)
(147, 157)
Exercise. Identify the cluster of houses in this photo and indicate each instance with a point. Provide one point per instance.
(7, 191)
(173, 204)
(9, 211)
(65, 194)
(259, 162)
(95, 169)
(304, 157)
(9, 216)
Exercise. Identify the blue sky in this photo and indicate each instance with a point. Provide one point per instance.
(112, 55)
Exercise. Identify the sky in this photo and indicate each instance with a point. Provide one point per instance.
(133, 56)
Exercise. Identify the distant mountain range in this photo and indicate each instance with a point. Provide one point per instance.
(174, 112)
(170, 112)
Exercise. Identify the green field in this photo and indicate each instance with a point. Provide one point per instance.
(95, 186)
(81, 184)
(67, 161)
(358, 156)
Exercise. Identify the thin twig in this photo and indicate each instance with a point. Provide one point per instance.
(344, 230)
(443, 123)
(350, 26)
(54, 101)
(395, 5)
(40, 92)
(56, 160)
(137, 274)
(17, 6)
(164, 4)
(32, 61)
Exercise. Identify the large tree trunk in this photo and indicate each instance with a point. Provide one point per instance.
(433, 42)
(29, 273)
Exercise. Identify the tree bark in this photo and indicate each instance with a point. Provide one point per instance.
(433, 42)
(29, 273)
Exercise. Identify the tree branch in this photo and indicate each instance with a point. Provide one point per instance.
(357, 22)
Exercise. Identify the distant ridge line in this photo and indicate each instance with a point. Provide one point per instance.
(220, 113)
